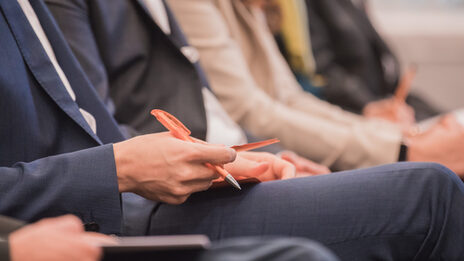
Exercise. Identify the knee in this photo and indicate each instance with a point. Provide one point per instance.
(272, 249)
(297, 249)
(435, 177)
(438, 174)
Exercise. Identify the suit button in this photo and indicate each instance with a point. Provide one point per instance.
(92, 227)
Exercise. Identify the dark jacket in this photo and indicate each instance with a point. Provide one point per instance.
(130, 60)
(51, 162)
(351, 54)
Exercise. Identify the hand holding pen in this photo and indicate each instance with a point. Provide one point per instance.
(395, 109)
(181, 132)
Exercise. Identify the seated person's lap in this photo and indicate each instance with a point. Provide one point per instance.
(369, 209)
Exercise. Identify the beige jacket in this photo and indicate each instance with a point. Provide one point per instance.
(256, 87)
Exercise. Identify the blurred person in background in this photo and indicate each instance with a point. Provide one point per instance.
(256, 87)
(346, 61)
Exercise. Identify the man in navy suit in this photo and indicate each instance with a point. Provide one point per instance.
(57, 125)
(65, 135)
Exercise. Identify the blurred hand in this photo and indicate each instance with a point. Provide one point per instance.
(57, 239)
(391, 110)
(163, 168)
(262, 165)
(442, 143)
(304, 167)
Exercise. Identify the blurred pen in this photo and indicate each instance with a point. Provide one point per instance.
(405, 84)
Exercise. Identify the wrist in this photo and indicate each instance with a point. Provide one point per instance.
(123, 163)
(414, 150)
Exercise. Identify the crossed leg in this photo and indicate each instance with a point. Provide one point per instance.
(407, 211)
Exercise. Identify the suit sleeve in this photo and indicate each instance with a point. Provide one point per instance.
(73, 19)
(83, 183)
(4, 250)
(306, 129)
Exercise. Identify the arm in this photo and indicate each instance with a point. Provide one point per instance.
(340, 144)
(83, 183)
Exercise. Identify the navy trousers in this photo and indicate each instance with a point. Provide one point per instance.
(396, 212)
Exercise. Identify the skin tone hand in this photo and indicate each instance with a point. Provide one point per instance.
(163, 168)
(57, 239)
(442, 143)
(262, 165)
(391, 110)
(304, 167)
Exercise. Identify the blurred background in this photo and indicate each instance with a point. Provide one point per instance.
(429, 33)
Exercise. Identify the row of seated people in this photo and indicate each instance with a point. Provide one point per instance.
(337, 54)
(77, 83)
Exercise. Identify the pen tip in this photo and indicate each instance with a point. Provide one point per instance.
(233, 182)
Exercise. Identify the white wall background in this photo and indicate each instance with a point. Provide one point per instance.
(429, 33)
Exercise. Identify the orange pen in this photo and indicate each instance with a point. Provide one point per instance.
(255, 145)
(404, 86)
(181, 132)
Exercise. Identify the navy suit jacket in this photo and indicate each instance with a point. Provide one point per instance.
(130, 60)
(51, 163)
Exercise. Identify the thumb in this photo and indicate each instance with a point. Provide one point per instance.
(214, 154)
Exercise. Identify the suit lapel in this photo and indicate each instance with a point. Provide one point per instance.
(86, 96)
(40, 65)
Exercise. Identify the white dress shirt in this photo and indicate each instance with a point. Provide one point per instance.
(35, 23)
(221, 129)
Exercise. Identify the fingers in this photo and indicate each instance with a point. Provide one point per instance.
(449, 121)
(89, 251)
(216, 155)
(67, 222)
(284, 169)
(199, 141)
(304, 165)
(199, 185)
(97, 239)
(246, 167)
(198, 172)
